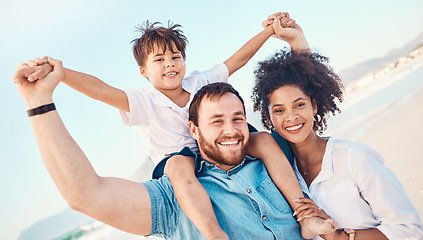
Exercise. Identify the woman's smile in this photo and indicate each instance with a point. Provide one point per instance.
(295, 128)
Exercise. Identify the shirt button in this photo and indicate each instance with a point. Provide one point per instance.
(264, 217)
(248, 190)
(229, 173)
(208, 165)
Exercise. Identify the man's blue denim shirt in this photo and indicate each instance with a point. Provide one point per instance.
(246, 202)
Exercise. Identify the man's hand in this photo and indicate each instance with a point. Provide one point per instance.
(39, 92)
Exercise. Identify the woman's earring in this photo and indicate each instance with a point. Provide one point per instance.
(317, 118)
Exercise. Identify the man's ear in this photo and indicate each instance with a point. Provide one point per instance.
(193, 130)
(143, 72)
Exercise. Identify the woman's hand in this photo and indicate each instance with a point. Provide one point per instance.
(309, 209)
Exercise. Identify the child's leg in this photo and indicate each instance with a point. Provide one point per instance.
(192, 197)
(263, 146)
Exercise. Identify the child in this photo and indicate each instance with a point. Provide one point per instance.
(162, 113)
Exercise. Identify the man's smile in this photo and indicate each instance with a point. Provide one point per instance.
(229, 142)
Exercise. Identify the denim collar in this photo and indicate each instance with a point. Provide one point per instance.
(203, 165)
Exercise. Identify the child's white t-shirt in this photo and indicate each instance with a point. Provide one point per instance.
(163, 123)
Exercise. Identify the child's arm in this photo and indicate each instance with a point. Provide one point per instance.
(96, 89)
(263, 146)
(279, 22)
(192, 197)
(246, 52)
(84, 83)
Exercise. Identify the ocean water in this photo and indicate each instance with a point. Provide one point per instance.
(377, 98)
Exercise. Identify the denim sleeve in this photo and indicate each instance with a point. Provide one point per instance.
(283, 144)
(164, 207)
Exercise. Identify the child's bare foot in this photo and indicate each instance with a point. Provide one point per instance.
(312, 227)
(313, 220)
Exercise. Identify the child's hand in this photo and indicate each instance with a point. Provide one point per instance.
(34, 70)
(282, 17)
(38, 89)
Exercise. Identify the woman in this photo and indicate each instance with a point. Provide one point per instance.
(295, 93)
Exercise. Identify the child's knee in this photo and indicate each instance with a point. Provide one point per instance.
(179, 165)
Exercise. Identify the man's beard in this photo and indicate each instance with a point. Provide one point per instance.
(213, 152)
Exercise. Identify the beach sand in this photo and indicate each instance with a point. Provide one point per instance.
(397, 135)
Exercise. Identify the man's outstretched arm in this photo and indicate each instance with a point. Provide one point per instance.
(120, 203)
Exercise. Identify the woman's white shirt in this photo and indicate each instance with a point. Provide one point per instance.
(358, 191)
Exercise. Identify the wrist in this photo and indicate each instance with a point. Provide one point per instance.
(41, 109)
(337, 235)
(269, 30)
(350, 232)
(299, 44)
(34, 102)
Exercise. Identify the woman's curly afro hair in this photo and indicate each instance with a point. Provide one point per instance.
(310, 72)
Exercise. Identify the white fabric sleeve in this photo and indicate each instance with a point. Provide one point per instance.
(139, 105)
(218, 73)
(386, 196)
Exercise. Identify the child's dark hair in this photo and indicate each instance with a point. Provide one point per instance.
(154, 36)
(210, 91)
(310, 72)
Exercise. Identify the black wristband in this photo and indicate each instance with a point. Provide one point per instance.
(41, 109)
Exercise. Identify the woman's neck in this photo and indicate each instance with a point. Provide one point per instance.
(306, 150)
(309, 155)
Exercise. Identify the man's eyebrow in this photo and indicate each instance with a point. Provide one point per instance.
(216, 116)
(239, 113)
(221, 115)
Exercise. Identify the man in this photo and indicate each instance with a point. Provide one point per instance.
(246, 202)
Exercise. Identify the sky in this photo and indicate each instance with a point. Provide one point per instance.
(94, 37)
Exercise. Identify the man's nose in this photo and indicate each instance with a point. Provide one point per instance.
(229, 129)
